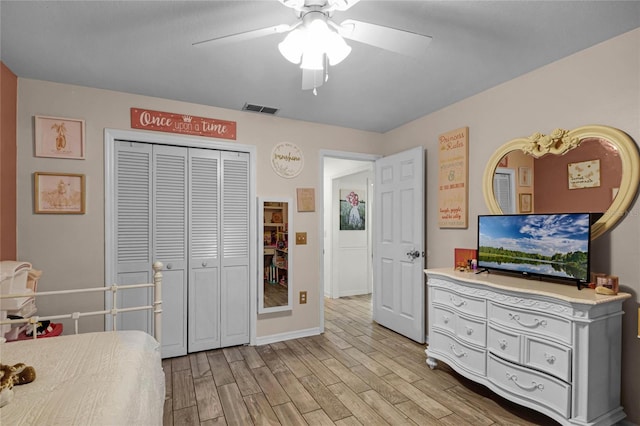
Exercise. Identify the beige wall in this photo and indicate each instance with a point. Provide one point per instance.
(600, 85)
(70, 248)
(597, 86)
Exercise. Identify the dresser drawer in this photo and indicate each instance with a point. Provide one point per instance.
(503, 343)
(548, 357)
(464, 355)
(531, 322)
(462, 303)
(534, 386)
(444, 318)
(471, 330)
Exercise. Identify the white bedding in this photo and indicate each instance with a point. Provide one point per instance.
(107, 378)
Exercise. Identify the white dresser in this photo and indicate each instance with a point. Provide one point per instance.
(547, 346)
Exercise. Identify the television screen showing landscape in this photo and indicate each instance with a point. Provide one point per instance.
(555, 245)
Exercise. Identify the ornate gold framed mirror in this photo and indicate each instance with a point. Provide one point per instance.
(588, 169)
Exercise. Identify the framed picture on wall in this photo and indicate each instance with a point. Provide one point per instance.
(59, 193)
(352, 210)
(306, 199)
(59, 137)
(525, 203)
(524, 176)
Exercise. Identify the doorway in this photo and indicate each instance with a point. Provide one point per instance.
(345, 267)
(396, 250)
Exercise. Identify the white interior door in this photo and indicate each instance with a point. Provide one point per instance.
(398, 295)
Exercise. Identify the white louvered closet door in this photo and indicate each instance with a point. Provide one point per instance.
(504, 191)
(189, 209)
(204, 257)
(133, 233)
(170, 218)
(234, 294)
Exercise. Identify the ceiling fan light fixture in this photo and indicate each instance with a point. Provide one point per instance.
(292, 46)
(312, 60)
(308, 44)
(337, 49)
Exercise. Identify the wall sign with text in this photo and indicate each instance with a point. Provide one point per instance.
(453, 177)
(287, 160)
(182, 123)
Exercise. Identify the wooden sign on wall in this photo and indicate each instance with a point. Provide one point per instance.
(182, 123)
(453, 177)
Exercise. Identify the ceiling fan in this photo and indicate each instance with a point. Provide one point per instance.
(315, 42)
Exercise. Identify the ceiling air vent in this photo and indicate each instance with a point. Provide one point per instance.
(259, 108)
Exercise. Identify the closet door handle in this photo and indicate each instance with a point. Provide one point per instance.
(204, 264)
(169, 266)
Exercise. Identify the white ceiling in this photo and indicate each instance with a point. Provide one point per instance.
(145, 47)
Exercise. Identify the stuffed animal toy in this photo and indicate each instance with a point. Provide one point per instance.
(18, 374)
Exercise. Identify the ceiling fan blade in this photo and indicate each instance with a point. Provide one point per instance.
(342, 5)
(247, 35)
(387, 38)
(312, 79)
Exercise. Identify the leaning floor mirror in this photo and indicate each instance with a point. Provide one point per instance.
(275, 292)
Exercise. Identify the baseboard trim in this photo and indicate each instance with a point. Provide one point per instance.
(280, 337)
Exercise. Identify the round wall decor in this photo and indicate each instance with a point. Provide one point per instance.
(287, 160)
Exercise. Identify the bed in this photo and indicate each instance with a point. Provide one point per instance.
(102, 378)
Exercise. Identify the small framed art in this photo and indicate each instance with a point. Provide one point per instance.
(59, 137)
(61, 193)
(525, 203)
(306, 198)
(524, 176)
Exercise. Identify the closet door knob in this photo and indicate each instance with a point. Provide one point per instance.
(204, 264)
(169, 266)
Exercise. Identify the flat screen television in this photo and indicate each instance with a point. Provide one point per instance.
(554, 246)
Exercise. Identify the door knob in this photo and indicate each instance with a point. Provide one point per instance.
(413, 254)
(169, 266)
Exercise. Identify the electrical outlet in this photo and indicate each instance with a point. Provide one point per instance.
(301, 238)
(303, 297)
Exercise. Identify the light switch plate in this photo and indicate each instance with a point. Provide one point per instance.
(303, 297)
(301, 238)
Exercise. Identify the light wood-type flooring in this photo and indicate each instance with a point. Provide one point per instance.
(356, 373)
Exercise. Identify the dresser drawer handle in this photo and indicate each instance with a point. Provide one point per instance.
(469, 330)
(458, 354)
(550, 358)
(533, 386)
(502, 343)
(457, 302)
(445, 319)
(536, 322)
